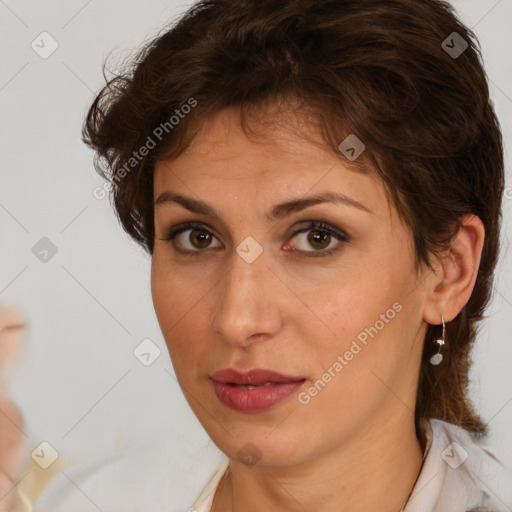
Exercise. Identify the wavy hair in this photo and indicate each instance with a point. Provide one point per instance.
(405, 76)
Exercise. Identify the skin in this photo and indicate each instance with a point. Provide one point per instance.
(12, 335)
(353, 447)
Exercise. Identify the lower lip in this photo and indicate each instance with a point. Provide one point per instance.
(257, 399)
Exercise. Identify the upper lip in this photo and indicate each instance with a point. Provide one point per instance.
(253, 377)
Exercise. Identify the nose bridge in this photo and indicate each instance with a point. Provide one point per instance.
(245, 306)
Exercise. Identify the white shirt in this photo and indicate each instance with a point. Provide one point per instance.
(458, 475)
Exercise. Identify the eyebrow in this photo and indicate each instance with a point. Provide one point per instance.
(278, 211)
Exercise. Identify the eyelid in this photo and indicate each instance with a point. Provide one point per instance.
(307, 225)
(326, 227)
(321, 225)
(178, 229)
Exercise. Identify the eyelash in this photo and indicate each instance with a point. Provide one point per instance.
(313, 225)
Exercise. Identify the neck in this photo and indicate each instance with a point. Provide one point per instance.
(376, 470)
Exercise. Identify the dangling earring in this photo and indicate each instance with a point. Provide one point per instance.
(438, 356)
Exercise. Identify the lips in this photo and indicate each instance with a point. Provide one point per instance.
(253, 391)
(255, 377)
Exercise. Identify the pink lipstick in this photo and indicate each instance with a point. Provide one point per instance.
(255, 390)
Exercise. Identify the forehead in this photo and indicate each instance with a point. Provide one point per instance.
(281, 157)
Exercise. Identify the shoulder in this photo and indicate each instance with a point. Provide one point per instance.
(460, 474)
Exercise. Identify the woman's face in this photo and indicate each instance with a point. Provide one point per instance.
(254, 286)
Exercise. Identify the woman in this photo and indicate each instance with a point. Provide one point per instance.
(319, 186)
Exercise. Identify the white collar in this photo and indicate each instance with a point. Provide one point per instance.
(458, 475)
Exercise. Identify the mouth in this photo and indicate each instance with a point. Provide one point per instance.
(250, 386)
(253, 391)
(254, 377)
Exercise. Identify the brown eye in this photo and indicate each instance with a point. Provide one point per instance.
(318, 239)
(200, 239)
(197, 241)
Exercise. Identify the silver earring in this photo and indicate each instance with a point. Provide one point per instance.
(438, 356)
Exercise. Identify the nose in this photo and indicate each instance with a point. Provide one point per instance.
(249, 306)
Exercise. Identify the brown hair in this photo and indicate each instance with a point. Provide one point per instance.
(379, 69)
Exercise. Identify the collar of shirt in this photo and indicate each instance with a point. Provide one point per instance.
(458, 474)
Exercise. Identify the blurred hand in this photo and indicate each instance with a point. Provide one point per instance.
(7, 493)
(12, 334)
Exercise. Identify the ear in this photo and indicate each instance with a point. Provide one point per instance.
(455, 273)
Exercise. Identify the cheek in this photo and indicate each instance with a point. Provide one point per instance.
(363, 309)
(180, 310)
(174, 293)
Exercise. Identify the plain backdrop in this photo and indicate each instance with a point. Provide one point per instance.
(78, 383)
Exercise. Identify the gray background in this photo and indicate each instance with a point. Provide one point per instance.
(78, 383)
